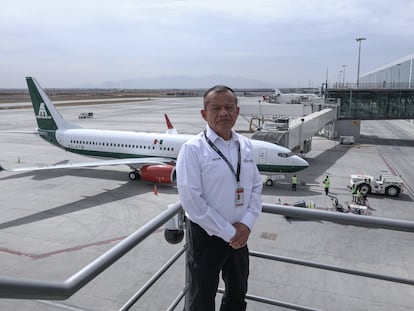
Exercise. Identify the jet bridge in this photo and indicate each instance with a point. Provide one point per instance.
(301, 130)
(298, 136)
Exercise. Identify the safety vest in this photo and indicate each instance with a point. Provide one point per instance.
(294, 180)
(353, 189)
(326, 182)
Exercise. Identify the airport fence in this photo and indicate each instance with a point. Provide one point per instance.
(173, 219)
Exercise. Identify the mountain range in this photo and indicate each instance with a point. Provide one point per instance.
(183, 82)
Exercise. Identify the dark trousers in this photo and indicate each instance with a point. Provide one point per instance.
(208, 255)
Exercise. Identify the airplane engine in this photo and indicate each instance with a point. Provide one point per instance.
(164, 174)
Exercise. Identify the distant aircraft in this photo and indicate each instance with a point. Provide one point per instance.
(290, 98)
(151, 156)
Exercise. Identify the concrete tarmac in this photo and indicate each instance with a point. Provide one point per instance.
(53, 223)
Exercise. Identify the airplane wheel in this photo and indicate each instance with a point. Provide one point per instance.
(269, 182)
(133, 175)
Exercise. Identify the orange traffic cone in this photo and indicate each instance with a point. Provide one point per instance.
(155, 189)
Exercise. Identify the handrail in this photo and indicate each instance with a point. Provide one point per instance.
(340, 218)
(153, 279)
(317, 265)
(35, 289)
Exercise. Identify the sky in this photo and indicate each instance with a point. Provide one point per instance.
(282, 43)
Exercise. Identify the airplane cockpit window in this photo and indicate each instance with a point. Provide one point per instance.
(285, 154)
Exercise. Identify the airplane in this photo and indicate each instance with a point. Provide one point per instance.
(150, 156)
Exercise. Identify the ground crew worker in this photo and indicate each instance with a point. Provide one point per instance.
(294, 182)
(358, 196)
(353, 191)
(326, 183)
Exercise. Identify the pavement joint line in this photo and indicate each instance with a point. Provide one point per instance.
(65, 250)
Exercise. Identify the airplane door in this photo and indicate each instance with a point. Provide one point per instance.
(262, 156)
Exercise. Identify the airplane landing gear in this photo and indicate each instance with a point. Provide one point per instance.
(134, 175)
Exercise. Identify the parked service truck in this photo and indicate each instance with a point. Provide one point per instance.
(386, 183)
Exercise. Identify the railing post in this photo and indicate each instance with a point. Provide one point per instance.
(187, 300)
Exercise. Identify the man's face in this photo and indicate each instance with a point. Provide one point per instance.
(221, 112)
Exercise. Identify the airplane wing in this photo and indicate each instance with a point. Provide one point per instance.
(131, 162)
(21, 132)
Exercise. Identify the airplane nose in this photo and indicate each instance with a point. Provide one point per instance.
(305, 163)
(299, 161)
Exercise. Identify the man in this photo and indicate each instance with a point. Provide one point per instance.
(294, 182)
(359, 197)
(326, 184)
(220, 189)
(354, 192)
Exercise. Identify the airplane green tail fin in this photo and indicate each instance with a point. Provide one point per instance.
(47, 117)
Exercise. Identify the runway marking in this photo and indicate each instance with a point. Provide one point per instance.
(56, 305)
(66, 250)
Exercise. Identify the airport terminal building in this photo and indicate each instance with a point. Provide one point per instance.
(397, 74)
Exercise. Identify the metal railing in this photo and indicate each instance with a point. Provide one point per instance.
(376, 86)
(18, 288)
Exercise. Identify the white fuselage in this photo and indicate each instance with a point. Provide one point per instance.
(269, 157)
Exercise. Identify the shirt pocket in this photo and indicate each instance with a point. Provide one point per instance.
(211, 165)
(248, 171)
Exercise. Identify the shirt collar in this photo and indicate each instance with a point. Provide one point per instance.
(213, 136)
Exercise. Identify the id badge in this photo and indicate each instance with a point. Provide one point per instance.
(239, 196)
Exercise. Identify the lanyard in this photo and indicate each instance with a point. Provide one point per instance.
(237, 175)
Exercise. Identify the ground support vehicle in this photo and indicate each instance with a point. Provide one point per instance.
(346, 140)
(358, 209)
(386, 183)
(85, 115)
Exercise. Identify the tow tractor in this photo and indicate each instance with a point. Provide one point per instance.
(386, 183)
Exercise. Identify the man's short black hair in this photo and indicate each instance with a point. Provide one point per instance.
(219, 88)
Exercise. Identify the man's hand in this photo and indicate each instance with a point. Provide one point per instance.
(239, 240)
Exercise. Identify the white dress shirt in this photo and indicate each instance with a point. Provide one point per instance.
(207, 186)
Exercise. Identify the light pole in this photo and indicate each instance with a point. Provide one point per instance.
(340, 78)
(343, 76)
(398, 67)
(359, 57)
